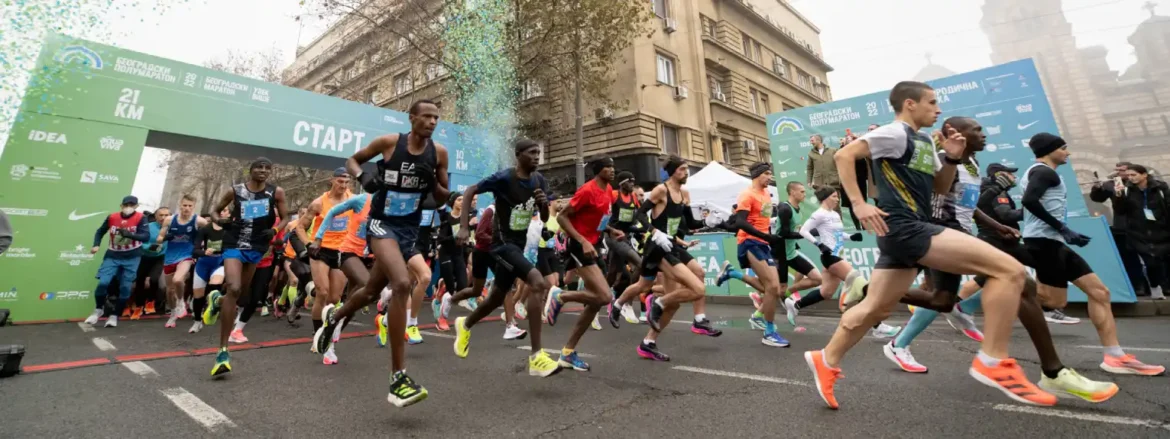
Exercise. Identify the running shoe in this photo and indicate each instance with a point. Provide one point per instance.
(171, 322)
(442, 324)
(437, 308)
(629, 314)
(237, 336)
(513, 332)
(757, 299)
(330, 357)
(825, 377)
(223, 363)
(195, 327)
(1129, 365)
(412, 335)
(774, 339)
(553, 305)
(853, 294)
(642, 319)
(180, 310)
(595, 325)
(724, 274)
(1069, 383)
(211, 312)
(885, 332)
(264, 311)
(541, 365)
(323, 337)
(655, 312)
(149, 309)
(757, 321)
(573, 361)
(445, 306)
(521, 312)
(614, 312)
(383, 336)
(469, 304)
(112, 322)
(1058, 316)
(404, 391)
(791, 310)
(903, 358)
(462, 337)
(1007, 377)
(704, 327)
(650, 351)
(126, 311)
(964, 323)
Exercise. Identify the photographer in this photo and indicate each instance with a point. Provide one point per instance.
(1114, 189)
(1144, 201)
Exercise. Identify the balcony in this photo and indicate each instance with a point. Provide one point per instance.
(717, 61)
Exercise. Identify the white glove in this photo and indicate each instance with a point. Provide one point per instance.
(662, 240)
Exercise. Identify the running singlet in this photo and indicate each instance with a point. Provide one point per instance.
(515, 204)
(180, 239)
(623, 210)
(1052, 200)
(212, 238)
(904, 164)
(957, 207)
(407, 179)
(758, 205)
(789, 215)
(336, 227)
(671, 217)
(358, 207)
(830, 228)
(591, 205)
(253, 217)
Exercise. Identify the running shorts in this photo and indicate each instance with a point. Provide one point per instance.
(1056, 264)
(548, 262)
(481, 262)
(575, 255)
(171, 268)
(201, 282)
(405, 236)
(330, 257)
(509, 264)
(762, 251)
(368, 260)
(800, 263)
(654, 257)
(905, 244)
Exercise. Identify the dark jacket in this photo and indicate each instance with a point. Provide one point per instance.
(1102, 192)
(999, 205)
(1146, 236)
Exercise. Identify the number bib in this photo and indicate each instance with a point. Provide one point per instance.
(252, 209)
(969, 196)
(604, 223)
(215, 245)
(119, 239)
(672, 225)
(625, 215)
(519, 218)
(361, 231)
(766, 210)
(923, 159)
(400, 204)
(339, 224)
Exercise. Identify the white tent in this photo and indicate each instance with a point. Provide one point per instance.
(716, 188)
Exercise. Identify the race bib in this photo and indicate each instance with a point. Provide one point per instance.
(215, 245)
(1149, 214)
(672, 225)
(604, 224)
(923, 159)
(252, 209)
(400, 204)
(119, 239)
(969, 195)
(519, 219)
(339, 224)
(361, 231)
(625, 215)
(766, 211)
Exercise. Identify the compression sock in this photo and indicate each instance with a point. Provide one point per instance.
(812, 298)
(972, 304)
(197, 305)
(921, 319)
(769, 328)
(700, 317)
(735, 274)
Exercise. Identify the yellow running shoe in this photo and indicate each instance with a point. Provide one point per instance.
(412, 335)
(223, 363)
(1070, 383)
(211, 312)
(542, 365)
(382, 332)
(462, 337)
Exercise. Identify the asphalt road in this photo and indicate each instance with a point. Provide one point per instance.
(731, 386)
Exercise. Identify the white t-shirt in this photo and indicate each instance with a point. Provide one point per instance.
(830, 228)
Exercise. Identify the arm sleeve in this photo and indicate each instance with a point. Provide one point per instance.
(988, 192)
(354, 203)
(491, 183)
(200, 240)
(643, 215)
(1041, 179)
(1005, 213)
(807, 228)
(101, 231)
(784, 212)
(689, 216)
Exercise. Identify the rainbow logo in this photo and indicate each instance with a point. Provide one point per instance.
(79, 54)
(786, 124)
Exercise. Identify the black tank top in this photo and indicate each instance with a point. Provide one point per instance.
(515, 209)
(623, 212)
(407, 178)
(671, 217)
(253, 216)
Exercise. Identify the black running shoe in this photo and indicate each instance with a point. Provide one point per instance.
(704, 327)
(324, 335)
(655, 314)
(650, 352)
(615, 313)
(404, 391)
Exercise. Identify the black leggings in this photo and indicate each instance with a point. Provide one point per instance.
(257, 293)
(150, 268)
(453, 267)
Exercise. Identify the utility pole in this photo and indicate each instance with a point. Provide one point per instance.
(580, 117)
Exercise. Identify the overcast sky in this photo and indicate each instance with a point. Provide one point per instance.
(871, 43)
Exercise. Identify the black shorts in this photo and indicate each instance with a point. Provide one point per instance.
(405, 236)
(905, 244)
(548, 261)
(828, 260)
(509, 264)
(481, 262)
(330, 257)
(368, 261)
(654, 256)
(575, 255)
(1056, 264)
(800, 263)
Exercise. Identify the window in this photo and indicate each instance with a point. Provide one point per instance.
(371, 95)
(708, 25)
(434, 71)
(764, 105)
(670, 140)
(803, 80)
(751, 48)
(403, 84)
(716, 87)
(660, 8)
(755, 101)
(665, 69)
(726, 150)
(532, 90)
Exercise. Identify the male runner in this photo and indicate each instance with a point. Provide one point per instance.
(519, 193)
(907, 171)
(412, 166)
(584, 220)
(1056, 264)
(452, 262)
(621, 251)
(257, 291)
(178, 232)
(128, 229)
(481, 263)
(209, 250)
(356, 261)
(149, 282)
(753, 215)
(324, 254)
(249, 230)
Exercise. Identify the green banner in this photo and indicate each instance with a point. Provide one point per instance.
(63, 177)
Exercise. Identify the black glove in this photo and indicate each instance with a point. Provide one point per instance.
(1074, 238)
(370, 182)
(1004, 181)
(546, 235)
(314, 248)
(123, 233)
(775, 240)
(856, 237)
(825, 249)
(153, 247)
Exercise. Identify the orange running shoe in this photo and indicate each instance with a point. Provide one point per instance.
(149, 307)
(1129, 365)
(825, 376)
(136, 313)
(442, 325)
(1009, 378)
(126, 311)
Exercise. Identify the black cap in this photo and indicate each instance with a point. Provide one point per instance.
(1043, 144)
(130, 199)
(340, 172)
(996, 168)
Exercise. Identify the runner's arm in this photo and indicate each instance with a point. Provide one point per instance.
(354, 203)
(302, 227)
(643, 214)
(846, 172)
(162, 229)
(811, 224)
(565, 215)
(1041, 179)
(281, 210)
(377, 146)
(101, 231)
(141, 232)
(442, 190)
(543, 208)
(224, 202)
(944, 174)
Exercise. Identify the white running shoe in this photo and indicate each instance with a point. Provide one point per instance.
(466, 305)
(791, 310)
(885, 332)
(521, 312)
(1058, 316)
(445, 305)
(629, 314)
(596, 326)
(513, 332)
(171, 322)
(112, 322)
(330, 357)
(642, 319)
(179, 312)
(196, 327)
(903, 358)
(93, 318)
(964, 323)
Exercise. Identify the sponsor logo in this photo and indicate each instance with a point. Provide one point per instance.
(786, 123)
(1007, 162)
(393, 120)
(1024, 126)
(785, 174)
(8, 296)
(20, 172)
(988, 114)
(64, 295)
(111, 143)
(443, 133)
(76, 255)
(47, 137)
(782, 148)
(93, 177)
(1027, 143)
(77, 54)
(1004, 146)
(73, 216)
(991, 147)
(461, 161)
(20, 252)
(993, 130)
(18, 211)
(781, 162)
(1024, 108)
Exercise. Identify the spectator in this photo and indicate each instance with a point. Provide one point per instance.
(1103, 191)
(821, 170)
(1148, 224)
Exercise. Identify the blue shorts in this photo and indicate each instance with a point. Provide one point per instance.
(762, 252)
(405, 236)
(207, 265)
(245, 256)
(178, 252)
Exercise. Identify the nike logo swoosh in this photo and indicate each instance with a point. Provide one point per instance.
(73, 216)
(782, 162)
(1024, 127)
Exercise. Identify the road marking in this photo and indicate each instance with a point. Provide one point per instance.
(1090, 417)
(197, 409)
(141, 369)
(555, 351)
(103, 344)
(436, 334)
(745, 376)
(1127, 348)
(85, 327)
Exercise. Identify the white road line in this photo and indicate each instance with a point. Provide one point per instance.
(1128, 348)
(1090, 417)
(85, 327)
(745, 376)
(555, 351)
(103, 344)
(436, 334)
(197, 409)
(141, 369)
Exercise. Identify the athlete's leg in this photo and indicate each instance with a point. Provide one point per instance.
(389, 260)
(1100, 311)
(811, 280)
(319, 271)
(237, 275)
(690, 288)
(177, 282)
(595, 295)
(885, 287)
(422, 275)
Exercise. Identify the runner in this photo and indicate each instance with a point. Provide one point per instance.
(324, 254)
(209, 249)
(753, 214)
(296, 266)
(255, 207)
(148, 285)
(1056, 264)
(519, 193)
(257, 292)
(412, 166)
(481, 263)
(908, 171)
(178, 232)
(424, 277)
(356, 261)
(956, 209)
(621, 251)
(452, 263)
(128, 229)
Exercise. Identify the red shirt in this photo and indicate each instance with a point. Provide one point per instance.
(483, 230)
(591, 205)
